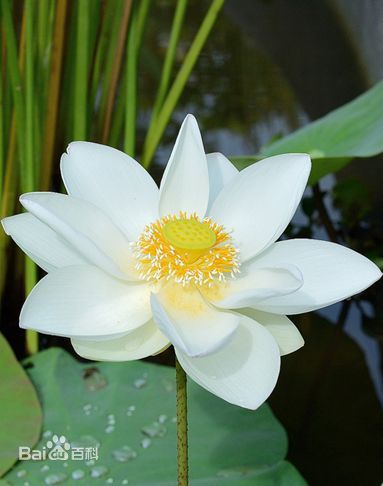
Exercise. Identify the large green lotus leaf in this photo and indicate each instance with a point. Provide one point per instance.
(353, 130)
(20, 411)
(129, 410)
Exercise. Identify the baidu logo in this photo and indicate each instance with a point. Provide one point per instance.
(58, 449)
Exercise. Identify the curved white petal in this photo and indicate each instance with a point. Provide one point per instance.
(140, 343)
(40, 243)
(259, 284)
(330, 272)
(221, 171)
(83, 301)
(185, 183)
(190, 323)
(114, 182)
(86, 229)
(260, 201)
(244, 372)
(286, 334)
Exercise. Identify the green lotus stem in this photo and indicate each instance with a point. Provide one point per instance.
(153, 138)
(81, 71)
(182, 426)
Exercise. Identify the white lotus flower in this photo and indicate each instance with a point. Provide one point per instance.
(133, 268)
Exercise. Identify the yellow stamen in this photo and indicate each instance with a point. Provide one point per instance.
(186, 250)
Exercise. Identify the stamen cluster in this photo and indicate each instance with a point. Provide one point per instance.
(158, 259)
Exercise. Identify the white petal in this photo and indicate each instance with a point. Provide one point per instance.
(140, 343)
(40, 243)
(260, 201)
(330, 272)
(83, 301)
(114, 182)
(185, 183)
(286, 334)
(259, 284)
(190, 323)
(86, 229)
(221, 171)
(244, 372)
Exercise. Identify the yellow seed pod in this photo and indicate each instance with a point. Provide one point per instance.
(189, 234)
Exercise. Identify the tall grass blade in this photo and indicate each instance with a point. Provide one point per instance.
(131, 88)
(81, 71)
(29, 183)
(153, 138)
(14, 76)
(51, 115)
(118, 56)
(169, 58)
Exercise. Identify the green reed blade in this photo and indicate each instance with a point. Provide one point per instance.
(169, 57)
(131, 88)
(118, 56)
(153, 138)
(14, 74)
(51, 114)
(81, 71)
(30, 276)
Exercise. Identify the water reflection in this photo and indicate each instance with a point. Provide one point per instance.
(354, 327)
